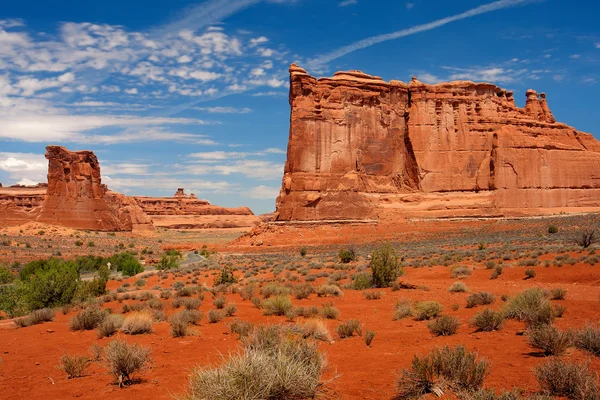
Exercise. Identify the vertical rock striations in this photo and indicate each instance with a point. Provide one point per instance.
(361, 148)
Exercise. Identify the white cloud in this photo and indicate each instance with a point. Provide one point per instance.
(347, 3)
(205, 76)
(224, 110)
(263, 192)
(598, 45)
(266, 52)
(24, 168)
(131, 91)
(409, 5)
(574, 56)
(259, 40)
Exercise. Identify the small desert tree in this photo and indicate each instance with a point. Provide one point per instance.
(385, 266)
(586, 237)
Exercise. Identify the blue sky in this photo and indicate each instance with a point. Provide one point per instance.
(194, 94)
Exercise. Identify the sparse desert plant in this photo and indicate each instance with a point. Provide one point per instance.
(458, 287)
(530, 306)
(303, 252)
(179, 325)
(306, 312)
(563, 378)
(361, 281)
(460, 272)
(402, 310)
(247, 292)
(123, 360)
(496, 272)
(74, 365)
(446, 369)
(552, 229)
(373, 295)
(215, 316)
(277, 368)
(137, 324)
(303, 291)
(273, 289)
(425, 310)
(349, 328)
(230, 310)
(550, 340)
(315, 328)
(445, 325)
(278, 305)
(256, 302)
(242, 328)
(558, 294)
(488, 320)
(586, 237)
(347, 256)
(330, 312)
(109, 326)
(220, 302)
(587, 338)
(479, 299)
(385, 266)
(530, 273)
(41, 315)
(329, 291)
(88, 319)
(96, 351)
(369, 336)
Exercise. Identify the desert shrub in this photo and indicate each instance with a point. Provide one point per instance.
(220, 302)
(385, 267)
(303, 291)
(316, 329)
(215, 316)
(88, 319)
(529, 273)
(74, 365)
(303, 252)
(347, 256)
(460, 272)
(330, 312)
(256, 302)
(230, 310)
(361, 281)
(496, 272)
(41, 315)
(109, 326)
(6, 276)
(562, 378)
(96, 351)
(273, 289)
(123, 360)
(137, 324)
(446, 369)
(372, 295)
(458, 287)
(242, 328)
(126, 263)
(550, 340)
(329, 291)
(278, 305)
(479, 299)
(588, 339)
(273, 367)
(369, 336)
(247, 292)
(402, 310)
(530, 306)
(306, 312)
(558, 294)
(488, 320)
(425, 310)
(445, 325)
(226, 277)
(179, 326)
(586, 237)
(349, 328)
(552, 229)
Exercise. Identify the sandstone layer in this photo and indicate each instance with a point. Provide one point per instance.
(363, 148)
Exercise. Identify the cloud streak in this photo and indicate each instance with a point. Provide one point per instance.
(320, 61)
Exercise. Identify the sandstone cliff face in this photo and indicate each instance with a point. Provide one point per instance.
(360, 148)
(76, 197)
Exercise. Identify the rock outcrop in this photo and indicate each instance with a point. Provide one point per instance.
(363, 148)
(76, 197)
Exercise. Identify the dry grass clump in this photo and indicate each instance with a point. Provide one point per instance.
(230, 310)
(303, 291)
(220, 302)
(425, 310)
(445, 325)
(588, 339)
(247, 292)
(349, 328)
(573, 381)
(307, 312)
(330, 312)
(530, 306)
(36, 317)
(273, 289)
(550, 340)
(458, 287)
(369, 336)
(460, 272)
(558, 294)
(242, 328)
(402, 310)
(278, 305)
(215, 316)
(479, 299)
(372, 294)
(88, 319)
(446, 369)
(329, 291)
(109, 326)
(74, 365)
(316, 329)
(488, 320)
(123, 360)
(273, 365)
(137, 324)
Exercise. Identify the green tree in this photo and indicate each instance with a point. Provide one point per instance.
(385, 267)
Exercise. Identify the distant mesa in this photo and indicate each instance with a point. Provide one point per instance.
(363, 148)
(75, 197)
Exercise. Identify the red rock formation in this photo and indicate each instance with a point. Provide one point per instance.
(360, 148)
(76, 197)
(180, 193)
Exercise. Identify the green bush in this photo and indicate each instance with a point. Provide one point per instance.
(552, 229)
(303, 252)
(349, 328)
(6, 276)
(488, 320)
(445, 325)
(481, 298)
(385, 267)
(226, 277)
(425, 310)
(347, 256)
(278, 305)
(530, 306)
(361, 281)
(167, 262)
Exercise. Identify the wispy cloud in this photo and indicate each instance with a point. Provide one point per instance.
(347, 3)
(319, 62)
(224, 110)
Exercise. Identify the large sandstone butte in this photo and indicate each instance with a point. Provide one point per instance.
(76, 197)
(363, 148)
